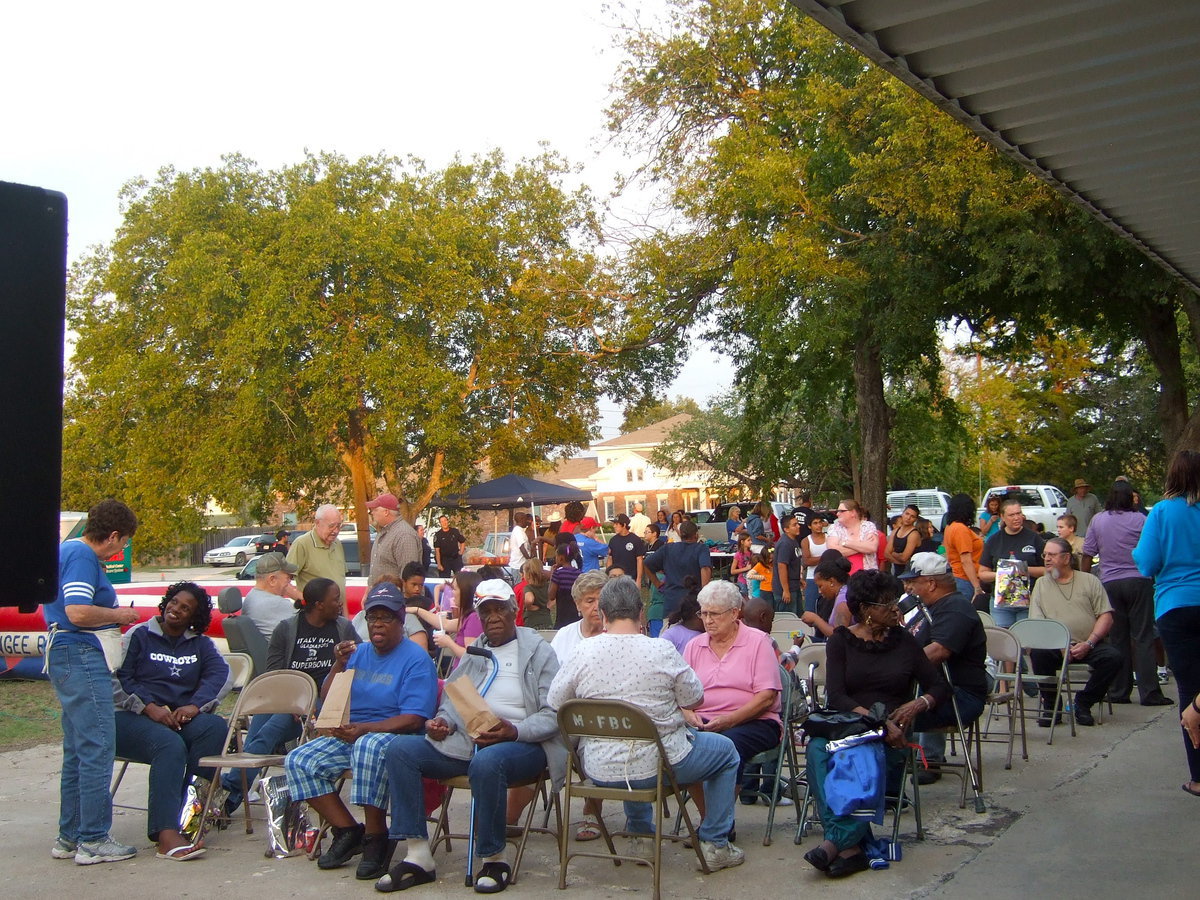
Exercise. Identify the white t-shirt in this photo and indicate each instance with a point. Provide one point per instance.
(505, 696)
(566, 640)
(647, 672)
(516, 541)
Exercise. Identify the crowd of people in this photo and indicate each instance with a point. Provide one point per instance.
(712, 685)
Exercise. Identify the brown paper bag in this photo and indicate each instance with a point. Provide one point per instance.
(335, 711)
(471, 707)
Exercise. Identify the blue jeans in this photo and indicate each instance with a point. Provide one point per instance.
(1006, 616)
(173, 757)
(811, 596)
(964, 588)
(85, 689)
(266, 734)
(714, 761)
(410, 757)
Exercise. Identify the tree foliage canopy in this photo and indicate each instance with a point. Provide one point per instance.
(334, 325)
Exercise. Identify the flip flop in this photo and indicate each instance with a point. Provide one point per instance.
(1189, 790)
(589, 829)
(403, 876)
(498, 873)
(182, 853)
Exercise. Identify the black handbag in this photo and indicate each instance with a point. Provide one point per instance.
(835, 724)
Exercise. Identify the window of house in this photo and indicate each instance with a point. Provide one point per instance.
(641, 475)
(630, 502)
(610, 508)
(629, 475)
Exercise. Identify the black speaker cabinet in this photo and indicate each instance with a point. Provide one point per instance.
(33, 289)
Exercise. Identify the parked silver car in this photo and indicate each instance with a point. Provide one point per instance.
(234, 553)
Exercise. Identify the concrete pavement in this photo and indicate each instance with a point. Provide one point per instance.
(1099, 815)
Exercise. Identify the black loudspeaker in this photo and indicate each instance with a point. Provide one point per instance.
(33, 294)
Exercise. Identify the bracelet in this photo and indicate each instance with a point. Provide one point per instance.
(928, 706)
(1194, 706)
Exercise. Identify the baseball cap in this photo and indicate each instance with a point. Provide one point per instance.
(387, 595)
(920, 564)
(587, 523)
(387, 501)
(495, 589)
(620, 519)
(270, 563)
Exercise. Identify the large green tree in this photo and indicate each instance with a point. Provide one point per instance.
(316, 331)
(831, 218)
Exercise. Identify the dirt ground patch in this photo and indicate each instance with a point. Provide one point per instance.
(29, 714)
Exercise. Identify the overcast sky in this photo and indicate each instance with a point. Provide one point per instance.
(97, 94)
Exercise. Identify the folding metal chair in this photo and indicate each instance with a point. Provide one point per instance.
(616, 720)
(1046, 634)
(281, 692)
(441, 829)
(781, 757)
(1003, 646)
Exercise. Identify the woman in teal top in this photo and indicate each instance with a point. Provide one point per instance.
(1169, 552)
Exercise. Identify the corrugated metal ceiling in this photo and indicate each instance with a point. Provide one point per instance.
(1101, 98)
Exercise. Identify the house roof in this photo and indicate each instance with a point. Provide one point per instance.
(580, 468)
(650, 435)
(1098, 98)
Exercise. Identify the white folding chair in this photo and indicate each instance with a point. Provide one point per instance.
(1046, 634)
(1003, 647)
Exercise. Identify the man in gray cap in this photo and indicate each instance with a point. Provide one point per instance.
(268, 603)
(953, 634)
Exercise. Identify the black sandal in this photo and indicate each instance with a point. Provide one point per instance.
(403, 876)
(498, 872)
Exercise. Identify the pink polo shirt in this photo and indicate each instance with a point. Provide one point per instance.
(729, 684)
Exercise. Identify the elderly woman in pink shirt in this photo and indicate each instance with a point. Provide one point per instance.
(739, 672)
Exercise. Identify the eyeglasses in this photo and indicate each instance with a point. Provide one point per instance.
(842, 510)
(709, 614)
(884, 603)
(381, 617)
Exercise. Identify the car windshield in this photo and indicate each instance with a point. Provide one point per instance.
(1027, 498)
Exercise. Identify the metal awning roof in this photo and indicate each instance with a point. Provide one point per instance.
(1100, 98)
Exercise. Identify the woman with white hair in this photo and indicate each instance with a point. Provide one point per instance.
(624, 664)
(739, 672)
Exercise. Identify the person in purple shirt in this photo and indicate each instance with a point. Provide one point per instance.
(685, 624)
(1112, 534)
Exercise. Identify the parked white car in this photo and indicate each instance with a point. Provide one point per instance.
(235, 553)
(1040, 502)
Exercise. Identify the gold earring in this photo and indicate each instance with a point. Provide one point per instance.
(869, 620)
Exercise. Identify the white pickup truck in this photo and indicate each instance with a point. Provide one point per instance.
(1040, 502)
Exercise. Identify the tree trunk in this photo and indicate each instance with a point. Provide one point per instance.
(874, 426)
(354, 456)
(1161, 334)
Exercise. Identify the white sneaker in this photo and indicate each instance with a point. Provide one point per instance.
(63, 849)
(784, 801)
(721, 857)
(91, 852)
(1164, 674)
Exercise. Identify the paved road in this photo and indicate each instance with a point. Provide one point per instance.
(1100, 815)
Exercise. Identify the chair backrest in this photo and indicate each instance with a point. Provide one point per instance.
(283, 691)
(810, 663)
(241, 666)
(229, 601)
(243, 636)
(1002, 645)
(987, 619)
(1042, 634)
(607, 720)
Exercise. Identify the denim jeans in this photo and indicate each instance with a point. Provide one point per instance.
(410, 757)
(1007, 616)
(714, 761)
(266, 734)
(811, 596)
(85, 689)
(173, 757)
